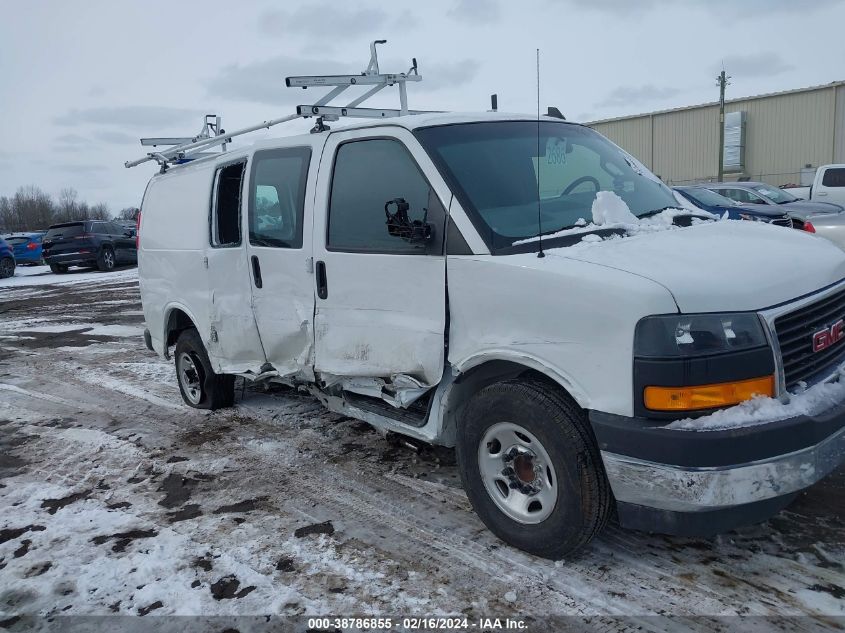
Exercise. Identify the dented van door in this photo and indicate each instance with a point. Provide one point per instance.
(233, 342)
(278, 236)
(380, 272)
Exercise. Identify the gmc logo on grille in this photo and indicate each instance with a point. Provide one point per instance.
(827, 337)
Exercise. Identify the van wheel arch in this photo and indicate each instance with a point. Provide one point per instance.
(480, 376)
(177, 322)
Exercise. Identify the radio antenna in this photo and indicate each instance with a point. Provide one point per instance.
(540, 253)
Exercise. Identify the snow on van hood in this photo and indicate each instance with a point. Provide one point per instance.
(721, 266)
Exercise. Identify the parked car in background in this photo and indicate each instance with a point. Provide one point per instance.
(128, 225)
(709, 200)
(829, 184)
(759, 193)
(7, 260)
(95, 243)
(823, 218)
(26, 246)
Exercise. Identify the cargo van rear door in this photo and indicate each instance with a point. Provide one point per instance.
(278, 235)
(234, 345)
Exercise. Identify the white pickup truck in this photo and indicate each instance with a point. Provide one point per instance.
(828, 186)
(679, 371)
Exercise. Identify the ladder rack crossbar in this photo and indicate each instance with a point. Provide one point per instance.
(183, 149)
(365, 113)
(348, 80)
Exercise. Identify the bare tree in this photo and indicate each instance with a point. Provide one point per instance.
(30, 208)
(128, 213)
(99, 211)
(68, 208)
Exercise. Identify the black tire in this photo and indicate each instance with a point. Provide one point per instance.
(59, 269)
(7, 267)
(107, 260)
(583, 500)
(211, 391)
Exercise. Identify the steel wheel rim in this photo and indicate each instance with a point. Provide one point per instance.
(108, 257)
(518, 473)
(189, 377)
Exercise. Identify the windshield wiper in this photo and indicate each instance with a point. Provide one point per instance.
(648, 214)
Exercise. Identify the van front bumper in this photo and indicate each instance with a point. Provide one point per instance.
(700, 483)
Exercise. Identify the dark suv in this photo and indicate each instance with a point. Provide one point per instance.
(97, 243)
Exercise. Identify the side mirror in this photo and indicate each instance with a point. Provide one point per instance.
(400, 225)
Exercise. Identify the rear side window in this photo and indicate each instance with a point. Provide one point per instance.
(834, 177)
(277, 197)
(367, 176)
(64, 231)
(226, 205)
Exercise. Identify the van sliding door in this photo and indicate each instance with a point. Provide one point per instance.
(279, 248)
(234, 345)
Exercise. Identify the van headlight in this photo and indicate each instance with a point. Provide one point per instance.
(687, 335)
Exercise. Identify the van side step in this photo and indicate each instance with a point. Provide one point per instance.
(414, 415)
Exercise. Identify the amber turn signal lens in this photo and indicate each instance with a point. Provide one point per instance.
(707, 396)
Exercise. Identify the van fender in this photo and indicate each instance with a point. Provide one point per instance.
(529, 361)
(168, 311)
(464, 379)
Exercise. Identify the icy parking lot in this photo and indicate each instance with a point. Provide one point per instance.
(117, 498)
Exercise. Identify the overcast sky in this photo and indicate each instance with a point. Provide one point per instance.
(82, 80)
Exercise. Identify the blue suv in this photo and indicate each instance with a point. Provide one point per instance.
(7, 260)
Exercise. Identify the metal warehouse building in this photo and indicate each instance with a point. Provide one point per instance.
(775, 138)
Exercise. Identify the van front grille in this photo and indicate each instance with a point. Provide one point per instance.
(795, 332)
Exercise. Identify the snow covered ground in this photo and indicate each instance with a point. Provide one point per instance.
(116, 498)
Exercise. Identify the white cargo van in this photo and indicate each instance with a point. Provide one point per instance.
(393, 268)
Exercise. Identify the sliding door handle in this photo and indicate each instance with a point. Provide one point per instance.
(322, 281)
(256, 271)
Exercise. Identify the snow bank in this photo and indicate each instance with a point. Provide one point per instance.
(38, 276)
(761, 410)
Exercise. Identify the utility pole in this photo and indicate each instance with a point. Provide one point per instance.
(722, 80)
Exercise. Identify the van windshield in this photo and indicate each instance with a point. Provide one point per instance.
(494, 168)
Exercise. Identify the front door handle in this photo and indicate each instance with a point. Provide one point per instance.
(322, 281)
(256, 271)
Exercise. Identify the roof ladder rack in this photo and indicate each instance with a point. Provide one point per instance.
(185, 149)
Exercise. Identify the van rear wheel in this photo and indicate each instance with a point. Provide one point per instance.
(201, 388)
(531, 468)
(58, 269)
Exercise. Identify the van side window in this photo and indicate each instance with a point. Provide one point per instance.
(226, 206)
(367, 175)
(834, 177)
(277, 197)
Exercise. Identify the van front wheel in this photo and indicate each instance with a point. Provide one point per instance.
(201, 388)
(531, 468)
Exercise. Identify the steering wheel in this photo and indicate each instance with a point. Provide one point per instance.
(580, 180)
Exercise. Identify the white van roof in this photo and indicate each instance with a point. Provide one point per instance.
(409, 122)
